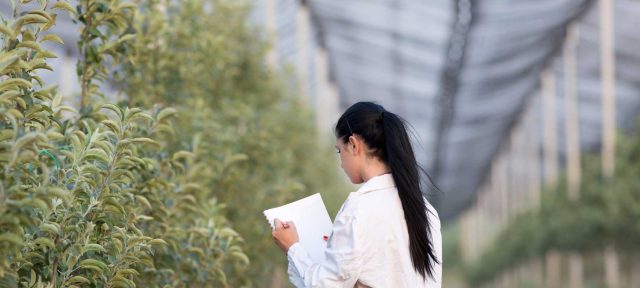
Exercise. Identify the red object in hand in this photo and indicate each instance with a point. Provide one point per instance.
(325, 237)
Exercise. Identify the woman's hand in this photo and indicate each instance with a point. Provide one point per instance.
(285, 234)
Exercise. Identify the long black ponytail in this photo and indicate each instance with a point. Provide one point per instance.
(386, 134)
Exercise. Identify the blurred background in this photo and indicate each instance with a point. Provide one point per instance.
(525, 113)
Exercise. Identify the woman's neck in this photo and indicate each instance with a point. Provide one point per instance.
(374, 168)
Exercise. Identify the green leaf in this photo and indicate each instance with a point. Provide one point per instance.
(8, 61)
(14, 83)
(61, 193)
(25, 140)
(50, 228)
(37, 78)
(33, 278)
(11, 238)
(54, 136)
(7, 31)
(126, 37)
(31, 19)
(240, 256)
(57, 101)
(163, 128)
(126, 5)
(63, 5)
(227, 232)
(144, 201)
(139, 115)
(117, 244)
(9, 96)
(46, 54)
(93, 264)
(46, 242)
(114, 108)
(145, 140)
(14, 113)
(78, 280)
(166, 113)
(52, 21)
(221, 275)
(187, 155)
(120, 281)
(234, 159)
(40, 13)
(52, 38)
(96, 154)
(158, 242)
(128, 271)
(198, 251)
(34, 257)
(94, 248)
(144, 218)
(112, 125)
(6, 134)
(31, 45)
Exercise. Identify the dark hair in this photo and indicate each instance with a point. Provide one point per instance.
(385, 133)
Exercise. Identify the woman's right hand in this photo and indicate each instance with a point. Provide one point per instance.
(285, 234)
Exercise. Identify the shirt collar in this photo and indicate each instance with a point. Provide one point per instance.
(379, 182)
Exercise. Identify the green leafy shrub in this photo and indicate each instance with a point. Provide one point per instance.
(204, 58)
(96, 198)
(606, 213)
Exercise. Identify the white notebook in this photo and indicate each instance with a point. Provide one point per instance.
(312, 222)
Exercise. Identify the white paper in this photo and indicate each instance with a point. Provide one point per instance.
(312, 222)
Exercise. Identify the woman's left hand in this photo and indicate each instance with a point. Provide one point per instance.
(285, 234)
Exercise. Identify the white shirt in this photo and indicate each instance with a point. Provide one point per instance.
(369, 244)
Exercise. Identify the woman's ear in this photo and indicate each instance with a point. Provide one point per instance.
(354, 144)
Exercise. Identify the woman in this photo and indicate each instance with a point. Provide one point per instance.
(386, 234)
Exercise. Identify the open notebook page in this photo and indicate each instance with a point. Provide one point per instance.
(312, 222)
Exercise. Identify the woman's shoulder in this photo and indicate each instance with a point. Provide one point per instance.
(363, 205)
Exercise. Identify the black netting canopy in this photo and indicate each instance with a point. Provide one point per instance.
(463, 71)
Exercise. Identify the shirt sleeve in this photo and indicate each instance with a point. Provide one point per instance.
(341, 266)
(294, 276)
(436, 237)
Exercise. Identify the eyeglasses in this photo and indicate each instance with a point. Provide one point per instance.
(349, 126)
(350, 133)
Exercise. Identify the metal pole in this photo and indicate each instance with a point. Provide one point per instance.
(607, 58)
(576, 266)
(552, 259)
(272, 30)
